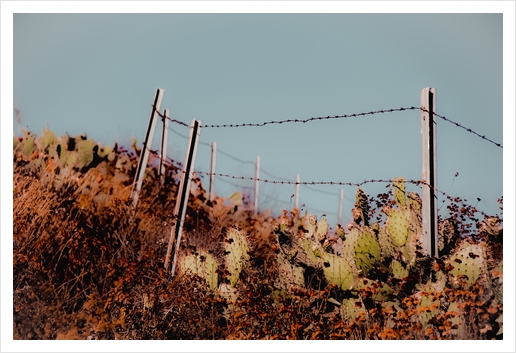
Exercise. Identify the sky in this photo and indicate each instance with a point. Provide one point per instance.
(98, 73)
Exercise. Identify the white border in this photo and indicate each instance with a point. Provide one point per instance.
(7, 10)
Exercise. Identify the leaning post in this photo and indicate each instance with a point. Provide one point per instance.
(144, 155)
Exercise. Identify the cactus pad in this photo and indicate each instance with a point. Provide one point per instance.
(467, 262)
(237, 253)
(337, 271)
(202, 264)
(398, 227)
(398, 271)
(367, 251)
(399, 192)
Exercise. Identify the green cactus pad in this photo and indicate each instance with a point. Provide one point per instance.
(351, 308)
(237, 253)
(425, 311)
(204, 265)
(46, 139)
(455, 314)
(322, 229)
(399, 192)
(398, 271)
(85, 150)
(367, 251)
(467, 262)
(337, 271)
(398, 227)
(27, 145)
(311, 250)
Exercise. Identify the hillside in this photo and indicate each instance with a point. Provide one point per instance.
(89, 266)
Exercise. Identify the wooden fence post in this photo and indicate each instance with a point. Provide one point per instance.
(296, 198)
(183, 193)
(341, 201)
(430, 239)
(256, 183)
(144, 155)
(212, 169)
(164, 139)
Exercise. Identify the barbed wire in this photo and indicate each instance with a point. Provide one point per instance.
(463, 127)
(345, 116)
(306, 183)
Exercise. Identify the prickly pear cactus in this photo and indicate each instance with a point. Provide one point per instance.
(427, 308)
(202, 264)
(402, 230)
(309, 224)
(85, 150)
(399, 192)
(47, 139)
(237, 254)
(398, 226)
(455, 313)
(362, 248)
(398, 271)
(322, 230)
(467, 262)
(26, 146)
(337, 271)
(351, 308)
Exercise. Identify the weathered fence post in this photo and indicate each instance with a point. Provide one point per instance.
(183, 193)
(212, 169)
(430, 239)
(296, 197)
(341, 201)
(144, 156)
(163, 157)
(256, 183)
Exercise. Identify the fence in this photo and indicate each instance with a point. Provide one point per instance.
(428, 181)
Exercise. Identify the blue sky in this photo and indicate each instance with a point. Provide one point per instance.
(98, 74)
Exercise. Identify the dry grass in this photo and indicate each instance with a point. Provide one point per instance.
(88, 266)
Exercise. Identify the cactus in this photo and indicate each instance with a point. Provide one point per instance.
(85, 150)
(309, 223)
(362, 247)
(26, 146)
(398, 226)
(467, 262)
(202, 264)
(337, 271)
(351, 308)
(398, 271)
(367, 251)
(47, 139)
(428, 307)
(399, 192)
(455, 313)
(108, 152)
(237, 253)
(401, 233)
(322, 230)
